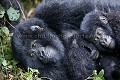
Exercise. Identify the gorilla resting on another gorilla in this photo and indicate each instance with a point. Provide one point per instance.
(65, 17)
(53, 13)
(38, 47)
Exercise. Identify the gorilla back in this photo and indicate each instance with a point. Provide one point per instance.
(71, 11)
(38, 47)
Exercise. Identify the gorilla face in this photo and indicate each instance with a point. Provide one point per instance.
(45, 53)
(104, 39)
(32, 39)
(95, 25)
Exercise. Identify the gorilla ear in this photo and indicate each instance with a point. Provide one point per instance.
(103, 19)
(33, 28)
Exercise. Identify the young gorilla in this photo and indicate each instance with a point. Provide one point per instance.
(38, 47)
(95, 25)
(79, 54)
(7, 4)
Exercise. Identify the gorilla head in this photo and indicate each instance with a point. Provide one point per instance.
(95, 25)
(38, 47)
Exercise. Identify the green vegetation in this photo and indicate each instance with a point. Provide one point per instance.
(97, 76)
(8, 66)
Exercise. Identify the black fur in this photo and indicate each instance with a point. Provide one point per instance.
(79, 61)
(72, 11)
(110, 64)
(39, 48)
(65, 17)
(89, 25)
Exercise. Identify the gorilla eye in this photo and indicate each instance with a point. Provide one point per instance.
(99, 33)
(34, 45)
(103, 19)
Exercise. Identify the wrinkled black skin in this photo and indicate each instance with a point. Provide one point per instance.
(88, 26)
(79, 64)
(6, 4)
(21, 44)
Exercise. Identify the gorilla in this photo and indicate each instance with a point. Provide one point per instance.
(7, 4)
(53, 13)
(65, 17)
(38, 47)
(72, 11)
(99, 32)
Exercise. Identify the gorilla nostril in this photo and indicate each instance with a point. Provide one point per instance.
(105, 39)
(42, 54)
(34, 45)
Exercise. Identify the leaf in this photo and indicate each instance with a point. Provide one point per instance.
(13, 14)
(95, 73)
(2, 11)
(101, 73)
(5, 30)
(34, 70)
(4, 63)
(97, 78)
